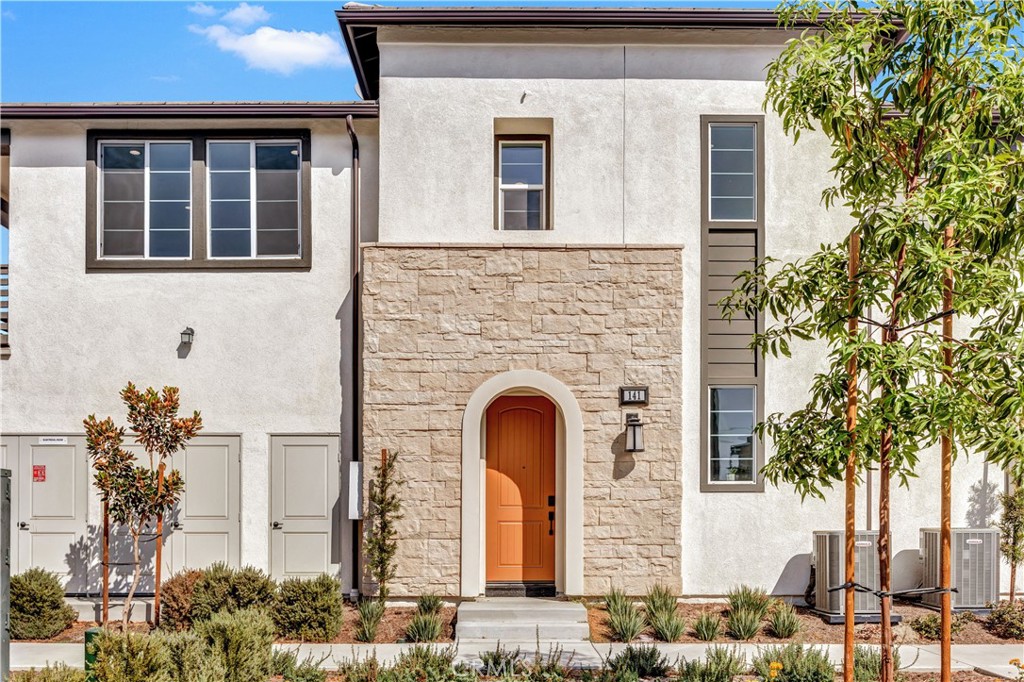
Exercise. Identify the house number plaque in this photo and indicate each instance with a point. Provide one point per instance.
(632, 395)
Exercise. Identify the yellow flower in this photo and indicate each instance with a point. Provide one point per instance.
(1015, 662)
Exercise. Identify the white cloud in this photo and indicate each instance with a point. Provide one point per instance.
(273, 49)
(247, 15)
(8, 14)
(202, 9)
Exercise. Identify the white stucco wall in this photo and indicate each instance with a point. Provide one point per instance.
(267, 356)
(626, 169)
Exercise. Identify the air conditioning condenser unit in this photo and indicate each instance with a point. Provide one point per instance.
(974, 560)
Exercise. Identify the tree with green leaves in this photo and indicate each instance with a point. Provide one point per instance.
(385, 510)
(136, 494)
(1011, 531)
(923, 104)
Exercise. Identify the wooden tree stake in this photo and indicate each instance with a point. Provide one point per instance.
(849, 610)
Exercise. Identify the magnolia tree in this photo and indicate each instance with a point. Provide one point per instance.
(922, 104)
(137, 493)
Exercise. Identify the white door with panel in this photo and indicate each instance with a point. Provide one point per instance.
(52, 478)
(9, 460)
(204, 527)
(305, 506)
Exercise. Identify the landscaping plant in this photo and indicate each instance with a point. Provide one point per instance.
(668, 627)
(930, 626)
(616, 601)
(310, 610)
(551, 667)
(743, 624)
(135, 494)
(190, 658)
(242, 641)
(707, 627)
(1011, 531)
(58, 673)
(38, 608)
(130, 657)
(424, 627)
(287, 664)
(626, 624)
(371, 612)
(924, 134)
(659, 599)
(867, 663)
(501, 662)
(720, 664)
(753, 599)
(384, 512)
(1006, 619)
(794, 663)
(783, 620)
(428, 603)
(176, 608)
(221, 588)
(645, 661)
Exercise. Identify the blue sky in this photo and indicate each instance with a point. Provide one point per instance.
(174, 51)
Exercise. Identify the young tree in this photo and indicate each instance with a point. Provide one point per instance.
(385, 510)
(922, 103)
(1011, 531)
(135, 494)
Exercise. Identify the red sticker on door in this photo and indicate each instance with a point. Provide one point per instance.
(38, 473)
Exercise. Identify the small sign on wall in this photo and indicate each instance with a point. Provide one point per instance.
(633, 395)
(53, 440)
(39, 473)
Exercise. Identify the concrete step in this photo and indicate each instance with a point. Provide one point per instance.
(521, 619)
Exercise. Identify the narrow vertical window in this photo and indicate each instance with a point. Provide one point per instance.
(254, 199)
(733, 164)
(733, 445)
(522, 185)
(146, 199)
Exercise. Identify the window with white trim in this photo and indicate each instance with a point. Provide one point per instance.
(522, 184)
(732, 446)
(254, 190)
(146, 199)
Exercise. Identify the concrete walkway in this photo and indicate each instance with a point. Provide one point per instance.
(988, 659)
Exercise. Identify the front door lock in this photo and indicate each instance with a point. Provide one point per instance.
(23, 525)
(276, 525)
(551, 523)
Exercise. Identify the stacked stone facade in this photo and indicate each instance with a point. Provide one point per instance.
(439, 320)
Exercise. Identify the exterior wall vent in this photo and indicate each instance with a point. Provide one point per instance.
(829, 559)
(974, 562)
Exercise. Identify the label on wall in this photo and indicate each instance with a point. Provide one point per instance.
(39, 473)
(632, 395)
(53, 440)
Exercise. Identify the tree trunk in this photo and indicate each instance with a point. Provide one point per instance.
(158, 560)
(136, 576)
(884, 558)
(1013, 581)
(945, 523)
(849, 609)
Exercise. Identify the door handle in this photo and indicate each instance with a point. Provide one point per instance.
(551, 523)
(276, 525)
(177, 525)
(23, 525)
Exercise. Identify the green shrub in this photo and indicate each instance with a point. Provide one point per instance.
(743, 624)
(424, 627)
(425, 663)
(130, 657)
(287, 665)
(753, 599)
(59, 673)
(428, 604)
(221, 588)
(784, 621)
(798, 664)
(176, 599)
(720, 664)
(1007, 619)
(191, 660)
(867, 663)
(645, 661)
(242, 640)
(659, 600)
(668, 627)
(551, 667)
(371, 611)
(626, 625)
(38, 609)
(502, 662)
(617, 602)
(309, 610)
(708, 627)
(930, 625)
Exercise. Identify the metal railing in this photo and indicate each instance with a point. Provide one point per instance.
(5, 291)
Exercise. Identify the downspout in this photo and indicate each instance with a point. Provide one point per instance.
(357, 338)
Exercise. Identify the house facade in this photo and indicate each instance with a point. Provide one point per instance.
(512, 246)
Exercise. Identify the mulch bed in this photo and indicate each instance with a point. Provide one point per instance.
(813, 629)
(392, 626)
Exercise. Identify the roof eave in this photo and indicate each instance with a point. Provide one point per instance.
(189, 110)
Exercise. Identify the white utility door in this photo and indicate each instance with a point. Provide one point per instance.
(204, 527)
(9, 460)
(53, 484)
(305, 506)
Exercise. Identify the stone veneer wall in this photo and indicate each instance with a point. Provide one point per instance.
(441, 320)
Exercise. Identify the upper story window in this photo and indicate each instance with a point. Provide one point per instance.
(522, 183)
(733, 182)
(192, 199)
(146, 190)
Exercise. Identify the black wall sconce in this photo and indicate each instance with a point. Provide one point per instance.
(634, 433)
(187, 334)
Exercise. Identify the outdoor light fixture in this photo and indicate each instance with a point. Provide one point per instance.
(634, 433)
(187, 334)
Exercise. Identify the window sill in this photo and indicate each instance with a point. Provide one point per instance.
(252, 264)
(732, 487)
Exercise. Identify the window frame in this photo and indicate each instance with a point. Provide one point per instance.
(706, 122)
(199, 233)
(758, 459)
(502, 140)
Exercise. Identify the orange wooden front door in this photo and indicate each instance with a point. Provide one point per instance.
(521, 490)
